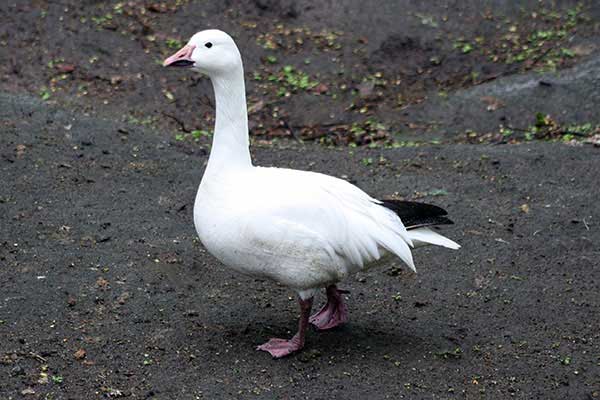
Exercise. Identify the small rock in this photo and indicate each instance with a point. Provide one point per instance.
(123, 298)
(256, 107)
(20, 150)
(157, 8)
(103, 239)
(43, 380)
(65, 68)
(594, 140)
(116, 79)
(171, 259)
(71, 301)
(27, 391)
(102, 283)
(87, 241)
(321, 88)
(80, 354)
(492, 103)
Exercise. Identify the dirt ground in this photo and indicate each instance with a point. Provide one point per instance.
(488, 109)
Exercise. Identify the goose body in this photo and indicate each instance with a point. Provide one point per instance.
(303, 229)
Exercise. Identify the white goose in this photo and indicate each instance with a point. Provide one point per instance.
(302, 229)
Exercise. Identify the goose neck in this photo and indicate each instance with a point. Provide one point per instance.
(231, 143)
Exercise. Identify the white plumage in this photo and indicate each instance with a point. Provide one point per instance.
(303, 229)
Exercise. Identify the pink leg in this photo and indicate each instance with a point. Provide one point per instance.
(334, 313)
(280, 347)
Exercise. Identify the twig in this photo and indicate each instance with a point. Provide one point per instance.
(33, 355)
(585, 224)
(179, 122)
(319, 134)
(326, 125)
(292, 130)
(574, 133)
(37, 357)
(544, 54)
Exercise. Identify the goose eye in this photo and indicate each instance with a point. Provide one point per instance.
(208, 44)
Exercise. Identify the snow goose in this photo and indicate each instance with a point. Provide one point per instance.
(303, 229)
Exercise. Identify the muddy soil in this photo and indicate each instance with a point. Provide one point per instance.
(105, 291)
(361, 71)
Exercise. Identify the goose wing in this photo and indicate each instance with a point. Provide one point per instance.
(330, 212)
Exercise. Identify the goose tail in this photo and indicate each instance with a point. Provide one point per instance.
(424, 236)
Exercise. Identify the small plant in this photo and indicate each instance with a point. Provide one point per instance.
(546, 128)
(101, 20)
(173, 43)
(147, 360)
(197, 134)
(367, 161)
(52, 63)
(297, 79)
(464, 46)
(506, 132)
(45, 93)
(450, 354)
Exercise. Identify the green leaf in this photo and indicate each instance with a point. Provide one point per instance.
(438, 192)
(467, 48)
(199, 133)
(173, 43)
(540, 120)
(44, 93)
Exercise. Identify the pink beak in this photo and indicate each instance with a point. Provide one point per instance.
(183, 58)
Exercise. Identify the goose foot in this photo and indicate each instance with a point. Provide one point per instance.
(333, 313)
(281, 347)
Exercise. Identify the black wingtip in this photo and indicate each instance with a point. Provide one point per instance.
(417, 215)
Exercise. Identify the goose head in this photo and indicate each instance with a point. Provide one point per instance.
(211, 52)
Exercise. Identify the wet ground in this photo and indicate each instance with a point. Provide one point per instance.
(105, 291)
